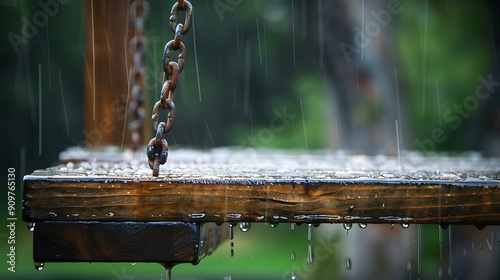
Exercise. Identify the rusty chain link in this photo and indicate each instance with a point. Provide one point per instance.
(157, 149)
(139, 11)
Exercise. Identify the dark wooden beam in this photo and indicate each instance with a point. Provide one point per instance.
(161, 242)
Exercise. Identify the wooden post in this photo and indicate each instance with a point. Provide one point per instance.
(108, 60)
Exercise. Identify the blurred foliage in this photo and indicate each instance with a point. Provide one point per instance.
(442, 51)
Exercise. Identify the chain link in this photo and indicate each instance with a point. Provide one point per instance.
(157, 149)
(139, 11)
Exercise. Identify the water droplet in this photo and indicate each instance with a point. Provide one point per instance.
(480, 227)
(234, 216)
(450, 176)
(309, 233)
(348, 264)
(245, 226)
(405, 225)
(110, 214)
(231, 232)
(274, 224)
(31, 227)
(39, 266)
(292, 256)
(231, 253)
(196, 215)
(408, 266)
(392, 226)
(310, 255)
(292, 226)
(168, 273)
(347, 227)
(133, 263)
(387, 175)
(362, 225)
(293, 275)
(350, 207)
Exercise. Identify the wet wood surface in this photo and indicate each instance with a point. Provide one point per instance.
(161, 242)
(266, 186)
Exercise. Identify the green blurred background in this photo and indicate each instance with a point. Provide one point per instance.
(256, 58)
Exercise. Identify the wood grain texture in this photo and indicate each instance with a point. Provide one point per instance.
(162, 242)
(272, 187)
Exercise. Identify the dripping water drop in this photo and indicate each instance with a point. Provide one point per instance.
(348, 264)
(245, 226)
(39, 266)
(293, 275)
(168, 273)
(31, 227)
(309, 233)
(133, 263)
(480, 227)
(347, 227)
(405, 225)
(292, 226)
(362, 225)
(292, 256)
(310, 255)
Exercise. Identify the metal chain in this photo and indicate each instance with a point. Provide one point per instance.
(157, 149)
(139, 11)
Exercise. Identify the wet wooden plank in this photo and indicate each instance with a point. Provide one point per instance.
(268, 186)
